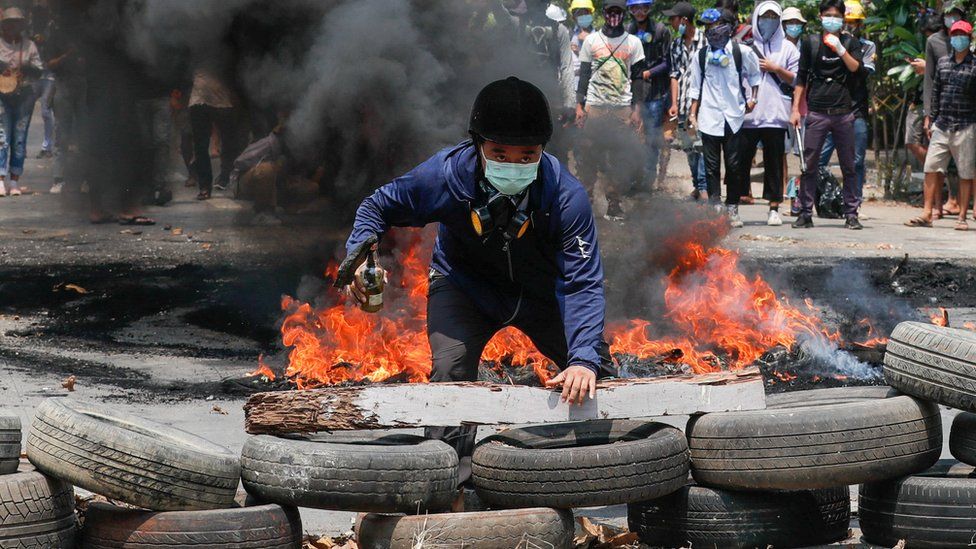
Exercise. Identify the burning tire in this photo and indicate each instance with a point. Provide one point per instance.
(582, 464)
(696, 516)
(370, 472)
(962, 438)
(36, 512)
(131, 459)
(930, 509)
(258, 527)
(816, 439)
(481, 530)
(934, 363)
(9, 444)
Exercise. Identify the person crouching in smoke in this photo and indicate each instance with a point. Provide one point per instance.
(516, 246)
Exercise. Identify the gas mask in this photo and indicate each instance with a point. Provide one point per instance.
(718, 36)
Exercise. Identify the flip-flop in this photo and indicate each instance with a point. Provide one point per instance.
(136, 220)
(961, 226)
(918, 222)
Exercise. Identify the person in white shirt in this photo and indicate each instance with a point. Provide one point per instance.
(610, 60)
(721, 97)
(20, 65)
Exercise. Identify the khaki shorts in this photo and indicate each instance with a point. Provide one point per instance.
(947, 145)
(915, 127)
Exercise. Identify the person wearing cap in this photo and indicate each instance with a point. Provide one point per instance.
(793, 24)
(20, 63)
(951, 125)
(824, 80)
(937, 47)
(607, 108)
(723, 87)
(654, 85)
(684, 52)
(769, 121)
(853, 26)
(516, 243)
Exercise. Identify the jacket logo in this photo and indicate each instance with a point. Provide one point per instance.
(583, 247)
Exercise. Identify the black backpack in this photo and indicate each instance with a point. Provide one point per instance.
(736, 58)
(542, 39)
(830, 202)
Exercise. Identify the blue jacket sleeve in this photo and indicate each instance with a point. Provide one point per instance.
(410, 200)
(579, 289)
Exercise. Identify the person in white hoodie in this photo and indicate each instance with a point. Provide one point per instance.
(770, 120)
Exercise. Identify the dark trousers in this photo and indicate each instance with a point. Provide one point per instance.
(714, 148)
(774, 149)
(229, 125)
(841, 126)
(458, 332)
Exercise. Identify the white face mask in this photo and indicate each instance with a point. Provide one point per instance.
(510, 178)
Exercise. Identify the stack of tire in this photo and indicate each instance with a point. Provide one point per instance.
(935, 508)
(530, 478)
(179, 488)
(780, 477)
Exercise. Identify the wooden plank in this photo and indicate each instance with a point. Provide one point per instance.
(450, 404)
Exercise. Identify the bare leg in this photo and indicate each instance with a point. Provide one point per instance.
(937, 197)
(930, 192)
(965, 192)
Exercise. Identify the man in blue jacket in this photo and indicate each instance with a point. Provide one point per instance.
(516, 246)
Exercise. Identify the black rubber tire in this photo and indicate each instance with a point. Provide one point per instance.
(962, 438)
(549, 528)
(36, 512)
(696, 516)
(260, 527)
(131, 459)
(934, 363)
(357, 471)
(9, 444)
(930, 509)
(580, 464)
(803, 441)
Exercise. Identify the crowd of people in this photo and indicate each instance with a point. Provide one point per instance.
(720, 85)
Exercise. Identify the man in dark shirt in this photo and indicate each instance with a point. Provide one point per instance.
(937, 47)
(827, 63)
(652, 90)
(951, 124)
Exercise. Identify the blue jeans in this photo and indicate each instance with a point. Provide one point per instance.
(653, 114)
(45, 93)
(696, 161)
(860, 150)
(15, 116)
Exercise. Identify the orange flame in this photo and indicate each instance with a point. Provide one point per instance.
(873, 338)
(941, 318)
(715, 308)
(263, 370)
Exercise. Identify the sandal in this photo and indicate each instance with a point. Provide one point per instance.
(204, 195)
(961, 226)
(136, 220)
(918, 222)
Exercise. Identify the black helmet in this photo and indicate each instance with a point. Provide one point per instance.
(511, 112)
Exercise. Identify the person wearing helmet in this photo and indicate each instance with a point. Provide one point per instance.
(853, 25)
(607, 108)
(937, 47)
(828, 63)
(724, 84)
(654, 85)
(516, 243)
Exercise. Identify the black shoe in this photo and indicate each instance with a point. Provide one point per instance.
(803, 222)
(614, 211)
(853, 223)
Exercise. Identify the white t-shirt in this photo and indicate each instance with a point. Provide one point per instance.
(610, 79)
(20, 55)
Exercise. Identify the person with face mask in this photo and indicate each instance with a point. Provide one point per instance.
(793, 26)
(724, 84)
(827, 62)
(853, 25)
(608, 110)
(582, 12)
(684, 51)
(653, 86)
(951, 125)
(516, 245)
(937, 47)
(768, 122)
(20, 63)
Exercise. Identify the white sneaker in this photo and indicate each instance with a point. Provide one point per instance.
(774, 219)
(733, 212)
(719, 207)
(15, 191)
(3, 188)
(57, 188)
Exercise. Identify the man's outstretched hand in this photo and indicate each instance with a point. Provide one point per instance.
(577, 382)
